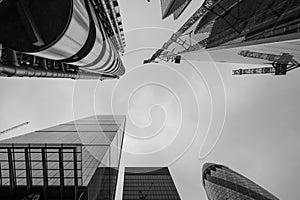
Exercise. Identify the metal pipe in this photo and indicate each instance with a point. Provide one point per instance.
(25, 71)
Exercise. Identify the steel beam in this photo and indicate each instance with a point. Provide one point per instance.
(25, 71)
(75, 172)
(61, 173)
(45, 174)
(11, 172)
(28, 169)
(0, 174)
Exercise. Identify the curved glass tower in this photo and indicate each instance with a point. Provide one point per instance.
(222, 183)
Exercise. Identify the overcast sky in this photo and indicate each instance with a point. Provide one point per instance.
(175, 113)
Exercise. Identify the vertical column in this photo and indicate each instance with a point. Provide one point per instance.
(75, 172)
(45, 174)
(0, 170)
(109, 175)
(11, 171)
(1, 49)
(61, 171)
(118, 152)
(3, 153)
(28, 169)
(81, 171)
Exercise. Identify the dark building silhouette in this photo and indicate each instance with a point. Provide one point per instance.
(74, 160)
(222, 183)
(149, 183)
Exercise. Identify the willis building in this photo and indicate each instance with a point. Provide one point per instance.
(78, 160)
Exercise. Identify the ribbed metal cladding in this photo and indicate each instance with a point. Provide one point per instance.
(220, 182)
(65, 46)
(70, 32)
(102, 54)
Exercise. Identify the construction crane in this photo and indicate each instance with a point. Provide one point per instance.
(164, 55)
(281, 64)
(14, 127)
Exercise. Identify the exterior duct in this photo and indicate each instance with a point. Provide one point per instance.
(25, 71)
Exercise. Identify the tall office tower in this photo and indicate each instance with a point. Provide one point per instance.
(78, 160)
(78, 39)
(149, 183)
(226, 28)
(221, 182)
(173, 7)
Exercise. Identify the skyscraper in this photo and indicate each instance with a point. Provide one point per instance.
(74, 160)
(149, 183)
(222, 183)
(226, 28)
(75, 39)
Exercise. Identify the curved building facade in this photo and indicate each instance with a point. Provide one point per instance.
(222, 183)
(81, 33)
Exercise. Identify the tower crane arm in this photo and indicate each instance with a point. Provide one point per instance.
(14, 127)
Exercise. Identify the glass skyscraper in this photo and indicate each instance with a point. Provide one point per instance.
(74, 160)
(224, 28)
(222, 183)
(149, 183)
(173, 7)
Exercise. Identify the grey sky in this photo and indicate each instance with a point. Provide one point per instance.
(259, 139)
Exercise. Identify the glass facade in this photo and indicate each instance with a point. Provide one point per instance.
(222, 183)
(249, 20)
(222, 24)
(149, 183)
(75, 160)
(175, 7)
